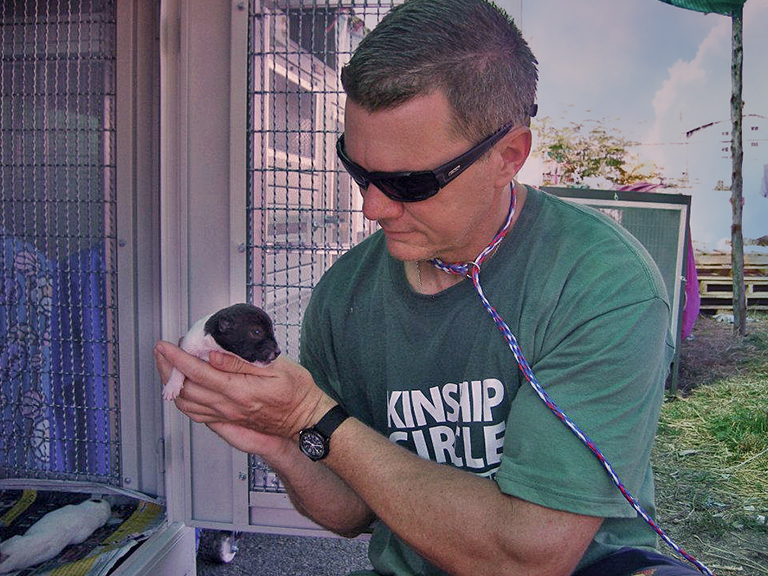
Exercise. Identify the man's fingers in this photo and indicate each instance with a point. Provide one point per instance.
(196, 412)
(231, 363)
(164, 367)
(202, 398)
(191, 366)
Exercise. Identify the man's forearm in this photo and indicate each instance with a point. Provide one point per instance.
(319, 494)
(460, 522)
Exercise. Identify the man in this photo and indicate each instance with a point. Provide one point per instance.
(448, 456)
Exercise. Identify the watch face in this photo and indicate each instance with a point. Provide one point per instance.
(312, 444)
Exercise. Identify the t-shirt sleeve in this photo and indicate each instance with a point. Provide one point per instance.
(606, 371)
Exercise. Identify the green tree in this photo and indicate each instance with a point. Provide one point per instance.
(589, 150)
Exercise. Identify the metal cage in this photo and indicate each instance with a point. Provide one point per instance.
(303, 210)
(59, 385)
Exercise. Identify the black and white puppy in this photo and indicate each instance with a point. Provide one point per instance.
(241, 329)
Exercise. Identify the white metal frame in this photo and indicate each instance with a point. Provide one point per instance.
(138, 295)
(202, 230)
(143, 183)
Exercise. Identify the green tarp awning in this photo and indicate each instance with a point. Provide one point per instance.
(724, 7)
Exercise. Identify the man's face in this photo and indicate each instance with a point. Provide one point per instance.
(461, 218)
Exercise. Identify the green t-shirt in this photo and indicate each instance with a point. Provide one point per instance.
(590, 312)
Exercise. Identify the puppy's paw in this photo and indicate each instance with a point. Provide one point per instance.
(173, 387)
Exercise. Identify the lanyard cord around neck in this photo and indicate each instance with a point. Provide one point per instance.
(472, 270)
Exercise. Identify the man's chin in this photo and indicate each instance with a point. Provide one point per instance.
(400, 250)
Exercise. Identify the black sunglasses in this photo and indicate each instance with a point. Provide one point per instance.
(417, 186)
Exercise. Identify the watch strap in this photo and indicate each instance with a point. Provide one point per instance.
(331, 420)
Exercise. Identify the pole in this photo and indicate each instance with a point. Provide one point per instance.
(737, 181)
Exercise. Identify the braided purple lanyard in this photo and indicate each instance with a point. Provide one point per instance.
(472, 270)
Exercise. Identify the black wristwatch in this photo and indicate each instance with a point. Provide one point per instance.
(314, 441)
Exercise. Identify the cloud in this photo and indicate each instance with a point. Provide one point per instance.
(696, 94)
(685, 97)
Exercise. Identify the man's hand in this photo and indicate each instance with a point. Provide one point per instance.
(256, 409)
(260, 410)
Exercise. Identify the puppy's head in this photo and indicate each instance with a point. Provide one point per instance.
(245, 330)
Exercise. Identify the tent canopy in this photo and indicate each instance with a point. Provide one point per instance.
(724, 7)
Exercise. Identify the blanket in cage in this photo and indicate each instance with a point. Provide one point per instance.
(133, 521)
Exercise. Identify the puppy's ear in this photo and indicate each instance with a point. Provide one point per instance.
(225, 323)
(265, 319)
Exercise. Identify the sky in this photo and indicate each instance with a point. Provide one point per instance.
(654, 72)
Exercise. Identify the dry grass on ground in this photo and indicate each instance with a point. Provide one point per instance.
(711, 453)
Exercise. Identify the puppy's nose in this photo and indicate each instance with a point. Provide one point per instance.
(274, 354)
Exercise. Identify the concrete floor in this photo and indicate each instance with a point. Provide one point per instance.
(270, 555)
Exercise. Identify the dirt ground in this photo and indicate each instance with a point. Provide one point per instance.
(693, 507)
(711, 353)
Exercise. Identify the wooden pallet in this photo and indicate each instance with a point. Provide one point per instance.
(716, 281)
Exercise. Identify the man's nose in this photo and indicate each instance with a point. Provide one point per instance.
(379, 206)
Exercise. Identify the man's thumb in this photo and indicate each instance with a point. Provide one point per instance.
(229, 362)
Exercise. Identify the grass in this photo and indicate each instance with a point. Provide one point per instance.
(711, 462)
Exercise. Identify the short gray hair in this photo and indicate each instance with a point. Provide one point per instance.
(470, 50)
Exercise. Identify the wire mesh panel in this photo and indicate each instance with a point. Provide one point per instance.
(58, 316)
(303, 211)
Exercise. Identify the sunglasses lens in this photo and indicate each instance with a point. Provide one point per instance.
(405, 188)
(411, 188)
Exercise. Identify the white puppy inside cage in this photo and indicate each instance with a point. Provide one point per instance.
(46, 538)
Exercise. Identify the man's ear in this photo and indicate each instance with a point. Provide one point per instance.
(513, 151)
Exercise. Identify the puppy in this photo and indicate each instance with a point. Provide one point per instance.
(242, 329)
(71, 524)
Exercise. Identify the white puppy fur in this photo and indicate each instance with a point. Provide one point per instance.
(46, 538)
(197, 343)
